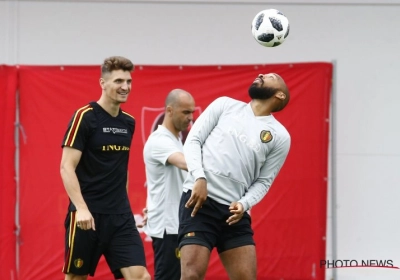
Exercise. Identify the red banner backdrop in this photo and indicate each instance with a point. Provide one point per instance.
(289, 224)
(8, 87)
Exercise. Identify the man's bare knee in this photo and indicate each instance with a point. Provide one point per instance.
(70, 276)
(191, 275)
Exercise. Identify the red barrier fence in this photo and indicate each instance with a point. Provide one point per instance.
(289, 224)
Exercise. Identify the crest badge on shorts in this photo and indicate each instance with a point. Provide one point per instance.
(78, 263)
(177, 253)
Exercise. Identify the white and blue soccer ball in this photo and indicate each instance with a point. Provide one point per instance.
(270, 28)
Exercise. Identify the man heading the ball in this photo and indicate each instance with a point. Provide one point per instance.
(234, 152)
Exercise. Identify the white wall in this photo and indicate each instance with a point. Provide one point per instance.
(363, 40)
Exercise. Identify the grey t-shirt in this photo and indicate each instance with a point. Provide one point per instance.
(238, 153)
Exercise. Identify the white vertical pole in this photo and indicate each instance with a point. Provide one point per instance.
(333, 167)
(17, 183)
(12, 56)
(11, 50)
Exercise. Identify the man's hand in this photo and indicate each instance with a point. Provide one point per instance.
(144, 221)
(237, 210)
(199, 195)
(84, 219)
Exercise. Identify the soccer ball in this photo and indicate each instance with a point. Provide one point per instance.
(270, 28)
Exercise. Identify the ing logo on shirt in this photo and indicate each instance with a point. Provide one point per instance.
(265, 136)
(117, 148)
(251, 143)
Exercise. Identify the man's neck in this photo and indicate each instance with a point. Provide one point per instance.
(260, 108)
(171, 128)
(109, 107)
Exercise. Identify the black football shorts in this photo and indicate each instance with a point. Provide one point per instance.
(209, 228)
(116, 237)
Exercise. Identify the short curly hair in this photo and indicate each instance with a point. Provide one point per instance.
(116, 63)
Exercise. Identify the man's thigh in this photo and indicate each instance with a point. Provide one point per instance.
(81, 249)
(209, 228)
(125, 246)
(240, 262)
(194, 261)
(236, 235)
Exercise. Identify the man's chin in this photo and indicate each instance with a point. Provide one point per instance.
(123, 99)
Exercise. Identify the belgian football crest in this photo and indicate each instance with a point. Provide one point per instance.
(265, 136)
(177, 253)
(78, 263)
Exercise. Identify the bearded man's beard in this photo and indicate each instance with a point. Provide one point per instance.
(256, 92)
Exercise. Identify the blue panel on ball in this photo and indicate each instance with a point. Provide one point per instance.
(259, 20)
(287, 32)
(266, 37)
(276, 23)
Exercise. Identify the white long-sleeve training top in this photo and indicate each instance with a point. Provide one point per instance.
(238, 153)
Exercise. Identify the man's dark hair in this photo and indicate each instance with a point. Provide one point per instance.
(116, 63)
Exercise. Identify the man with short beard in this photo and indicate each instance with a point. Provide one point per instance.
(234, 152)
